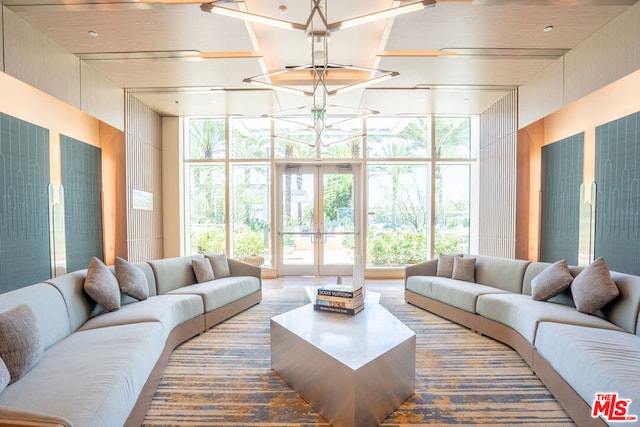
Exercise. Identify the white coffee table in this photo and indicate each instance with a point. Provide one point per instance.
(354, 370)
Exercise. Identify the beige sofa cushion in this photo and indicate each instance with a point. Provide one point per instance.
(102, 286)
(593, 288)
(131, 280)
(20, 342)
(220, 265)
(464, 269)
(202, 269)
(445, 265)
(554, 279)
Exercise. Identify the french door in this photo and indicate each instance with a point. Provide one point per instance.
(318, 219)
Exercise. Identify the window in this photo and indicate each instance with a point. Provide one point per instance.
(250, 210)
(397, 214)
(206, 219)
(416, 171)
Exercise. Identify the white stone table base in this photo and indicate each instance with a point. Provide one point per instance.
(354, 370)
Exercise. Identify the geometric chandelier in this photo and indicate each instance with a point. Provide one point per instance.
(317, 75)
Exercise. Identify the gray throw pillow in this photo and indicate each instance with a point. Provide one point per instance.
(444, 267)
(551, 281)
(220, 265)
(464, 269)
(102, 285)
(202, 269)
(21, 346)
(5, 376)
(593, 288)
(131, 280)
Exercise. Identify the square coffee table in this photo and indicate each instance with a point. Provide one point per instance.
(354, 370)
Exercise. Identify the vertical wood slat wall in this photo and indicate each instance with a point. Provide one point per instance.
(144, 173)
(497, 162)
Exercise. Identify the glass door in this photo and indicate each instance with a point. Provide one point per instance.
(318, 219)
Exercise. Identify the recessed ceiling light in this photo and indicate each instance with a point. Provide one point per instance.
(548, 28)
(93, 33)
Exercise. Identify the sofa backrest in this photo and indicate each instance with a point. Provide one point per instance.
(79, 305)
(173, 273)
(48, 306)
(502, 273)
(622, 311)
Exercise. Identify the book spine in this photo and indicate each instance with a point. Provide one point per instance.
(338, 309)
(337, 302)
(342, 294)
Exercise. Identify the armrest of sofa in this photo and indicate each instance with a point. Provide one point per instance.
(15, 417)
(239, 268)
(427, 268)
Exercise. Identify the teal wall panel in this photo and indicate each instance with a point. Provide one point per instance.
(617, 176)
(82, 183)
(25, 254)
(560, 211)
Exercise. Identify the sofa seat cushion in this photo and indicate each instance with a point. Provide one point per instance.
(169, 310)
(92, 378)
(593, 360)
(522, 313)
(220, 292)
(457, 293)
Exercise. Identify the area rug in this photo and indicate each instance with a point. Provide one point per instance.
(223, 377)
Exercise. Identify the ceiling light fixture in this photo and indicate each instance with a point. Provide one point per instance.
(319, 78)
(213, 7)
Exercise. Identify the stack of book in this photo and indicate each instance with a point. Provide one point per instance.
(340, 299)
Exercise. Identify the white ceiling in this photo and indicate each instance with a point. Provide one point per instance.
(235, 49)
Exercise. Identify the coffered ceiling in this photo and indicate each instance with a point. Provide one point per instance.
(457, 57)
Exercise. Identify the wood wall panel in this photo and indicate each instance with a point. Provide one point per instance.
(497, 192)
(144, 175)
(38, 61)
(101, 98)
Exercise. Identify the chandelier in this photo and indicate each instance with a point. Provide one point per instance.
(315, 116)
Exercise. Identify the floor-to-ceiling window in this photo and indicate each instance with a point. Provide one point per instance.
(412, 187)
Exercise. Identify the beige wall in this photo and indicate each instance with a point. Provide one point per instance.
(611, 53)
(33, 58)
(172, 186)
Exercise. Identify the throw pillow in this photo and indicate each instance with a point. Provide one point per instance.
(444, 267)
(220, 265)
(593, 288)
(5, 376)
(464, 269)
(102, 285)
(202, 269)
(551, 281)
(131, 280)
(21, 346)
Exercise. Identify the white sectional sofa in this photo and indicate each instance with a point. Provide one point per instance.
(575, 354)
(101, 368)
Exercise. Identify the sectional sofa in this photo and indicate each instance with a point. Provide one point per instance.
(575, 354)
(95, 367)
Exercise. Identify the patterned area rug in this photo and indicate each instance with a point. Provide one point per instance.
(223, 377)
